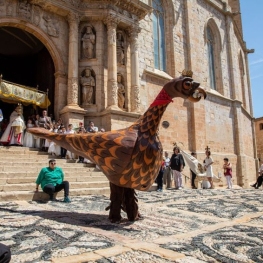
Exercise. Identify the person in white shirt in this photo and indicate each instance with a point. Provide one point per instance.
(92, 128)
(167, 175)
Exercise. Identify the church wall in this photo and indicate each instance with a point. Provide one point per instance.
(218, 125)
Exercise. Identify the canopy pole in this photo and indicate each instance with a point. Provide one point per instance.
(47, 98)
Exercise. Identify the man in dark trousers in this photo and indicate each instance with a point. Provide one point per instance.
(193, 174)
(5, 254)
(259, 181)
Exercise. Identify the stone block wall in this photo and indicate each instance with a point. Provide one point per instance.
(259, 136)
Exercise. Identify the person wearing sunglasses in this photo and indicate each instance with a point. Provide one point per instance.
(51, 179)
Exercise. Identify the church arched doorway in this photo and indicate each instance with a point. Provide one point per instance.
(25, 60)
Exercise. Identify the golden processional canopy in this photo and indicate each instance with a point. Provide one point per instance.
(13, 93)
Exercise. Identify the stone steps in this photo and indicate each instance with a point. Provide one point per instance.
(24, 180)
(20, 166)
(32, 186)
(41, 196)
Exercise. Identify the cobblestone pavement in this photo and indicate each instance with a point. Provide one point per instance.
(187, 226)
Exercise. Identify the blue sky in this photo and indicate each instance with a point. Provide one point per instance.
(252, 18)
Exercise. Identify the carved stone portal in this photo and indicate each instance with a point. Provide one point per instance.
(51, 25)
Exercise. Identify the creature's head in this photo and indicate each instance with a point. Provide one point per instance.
(185, 87)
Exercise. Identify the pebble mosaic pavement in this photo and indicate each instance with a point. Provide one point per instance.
(187, 226)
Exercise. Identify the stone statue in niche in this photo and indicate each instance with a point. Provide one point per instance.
(52, 29)
(88, 87)
(121, 92)
(120, 48)
(24, 9)
(88, 43)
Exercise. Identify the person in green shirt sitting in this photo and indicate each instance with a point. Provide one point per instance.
(52, 181)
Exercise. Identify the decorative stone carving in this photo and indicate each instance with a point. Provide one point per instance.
(88, 43)
(133, 34)
(24, 9)
(9, 8)
(113, 95)
(51, 25)
(88, 87)
(136, 99)
(74, 3)
(73, 91)
(36, 15)
(121, 92)
(73, 20)
(120, 48)
(2, 7)
(111, 21)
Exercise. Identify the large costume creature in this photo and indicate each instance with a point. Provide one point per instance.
(131, 157)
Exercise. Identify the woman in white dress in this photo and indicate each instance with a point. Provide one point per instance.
(208, 167)
(69, 154)
(29, 138)
(53, 148)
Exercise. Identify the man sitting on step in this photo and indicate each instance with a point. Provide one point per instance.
(52, 181)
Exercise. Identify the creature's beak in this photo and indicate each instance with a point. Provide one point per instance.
(197, 95)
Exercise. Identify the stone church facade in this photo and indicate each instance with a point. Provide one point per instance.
(111, 59)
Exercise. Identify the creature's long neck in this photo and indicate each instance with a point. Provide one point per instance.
(150, 120)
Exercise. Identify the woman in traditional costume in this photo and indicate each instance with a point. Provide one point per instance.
(13, 134)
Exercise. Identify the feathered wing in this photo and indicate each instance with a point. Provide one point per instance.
(111, 151)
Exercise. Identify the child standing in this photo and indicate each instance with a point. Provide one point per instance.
(228, 173)
(29, 138)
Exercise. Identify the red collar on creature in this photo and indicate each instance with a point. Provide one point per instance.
(162, 98)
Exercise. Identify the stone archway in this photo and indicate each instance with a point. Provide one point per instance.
(58, 72)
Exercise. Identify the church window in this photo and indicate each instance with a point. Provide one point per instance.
(158, 35)
(211, 57)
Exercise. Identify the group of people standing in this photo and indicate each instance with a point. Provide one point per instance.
(172, 168)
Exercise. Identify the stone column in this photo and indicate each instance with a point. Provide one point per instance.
(135, 90)
(73, 66)
(111, 22)
(60, 100)
(72, 113)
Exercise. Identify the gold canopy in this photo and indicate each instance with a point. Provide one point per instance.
(13, 93)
